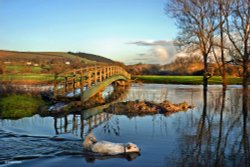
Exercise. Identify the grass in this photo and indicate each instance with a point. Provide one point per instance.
(18, 106)
(14, 67)
(189, 80)
(19, 68)
(27, 77)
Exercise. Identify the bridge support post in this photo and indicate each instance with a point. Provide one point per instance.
(81, 88)
(95, 76)
(100, 75)
(89, 80)
(105, 73)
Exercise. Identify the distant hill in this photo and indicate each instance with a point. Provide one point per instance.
(93, 57)
(40, 57)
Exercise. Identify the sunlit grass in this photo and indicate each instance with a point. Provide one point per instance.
(194, 80)
(25, 77)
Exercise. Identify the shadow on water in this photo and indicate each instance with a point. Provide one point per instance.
(221, 137)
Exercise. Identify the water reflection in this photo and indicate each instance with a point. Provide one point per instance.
(221, 138)
(85, 122)
(214, 133)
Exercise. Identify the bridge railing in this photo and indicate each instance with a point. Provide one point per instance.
(85, 78)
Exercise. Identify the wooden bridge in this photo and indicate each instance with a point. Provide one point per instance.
(88, 81)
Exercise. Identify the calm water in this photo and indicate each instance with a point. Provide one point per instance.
(197, 137)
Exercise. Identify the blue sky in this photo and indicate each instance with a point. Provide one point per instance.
(125, 30)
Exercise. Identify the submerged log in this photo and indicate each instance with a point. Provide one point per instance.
(133, 108)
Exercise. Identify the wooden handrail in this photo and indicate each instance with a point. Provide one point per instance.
(87, 76)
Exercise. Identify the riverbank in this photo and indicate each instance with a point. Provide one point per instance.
(184, 80)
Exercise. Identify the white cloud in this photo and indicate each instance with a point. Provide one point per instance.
(159, 52)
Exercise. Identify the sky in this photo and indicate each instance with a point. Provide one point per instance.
(130, 31)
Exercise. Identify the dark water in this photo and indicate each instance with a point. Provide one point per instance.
(210, 136)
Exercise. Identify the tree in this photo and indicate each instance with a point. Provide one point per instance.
(220, 43)
(238, 32)
(222, 15)
(197, 21)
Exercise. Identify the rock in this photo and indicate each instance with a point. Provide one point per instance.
(57, 107)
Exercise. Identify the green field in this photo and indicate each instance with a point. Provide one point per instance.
(19, 68)
(27, 77)
(190, 80)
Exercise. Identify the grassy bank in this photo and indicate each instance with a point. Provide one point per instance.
(18, 106)
(189, 80)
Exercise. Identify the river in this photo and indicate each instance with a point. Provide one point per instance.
(210, 134)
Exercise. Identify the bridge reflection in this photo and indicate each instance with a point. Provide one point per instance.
(80, 125)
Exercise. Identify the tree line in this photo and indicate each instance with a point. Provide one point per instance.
(214, 28)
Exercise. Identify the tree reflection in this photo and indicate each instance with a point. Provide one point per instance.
(221, 137)
(245, 139)
(219, 149)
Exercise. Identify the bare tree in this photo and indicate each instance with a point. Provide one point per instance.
(238, 32)
(221, 43)
(197, 21)
(223, 8)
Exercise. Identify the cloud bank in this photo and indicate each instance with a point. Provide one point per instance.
(159, 51)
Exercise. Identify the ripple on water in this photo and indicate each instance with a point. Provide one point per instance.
(16, 147)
